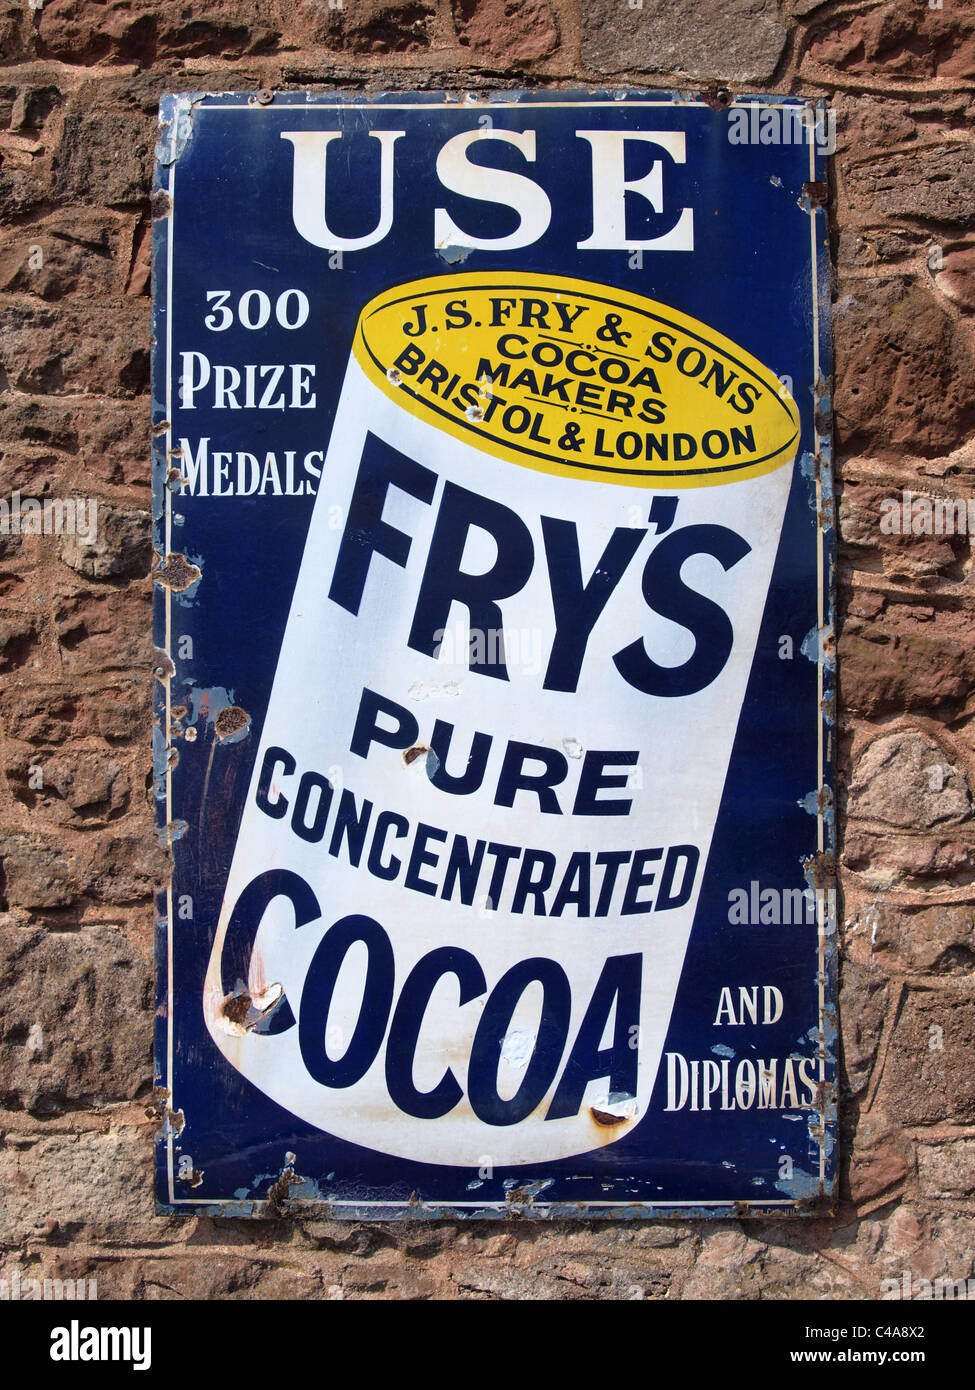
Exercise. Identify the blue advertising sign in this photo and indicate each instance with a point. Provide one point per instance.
(494, 704)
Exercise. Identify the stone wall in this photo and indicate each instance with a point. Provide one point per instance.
(79, 85)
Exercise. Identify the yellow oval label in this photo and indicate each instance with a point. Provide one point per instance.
(578, 379)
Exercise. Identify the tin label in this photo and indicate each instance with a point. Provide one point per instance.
(473, 809)
(556, 347)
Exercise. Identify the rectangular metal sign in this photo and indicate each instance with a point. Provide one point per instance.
(493, 518)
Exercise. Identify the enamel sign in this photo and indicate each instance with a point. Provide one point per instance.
(494, 682)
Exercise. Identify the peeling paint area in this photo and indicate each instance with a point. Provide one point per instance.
(617, 1109)
(175, 126)
(454, 255)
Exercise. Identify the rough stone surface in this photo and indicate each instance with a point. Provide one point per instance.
(20, 639)
(938, 940)
(956, 279)
(81, 1181)
(103, 631)
(880, 1157)
(935, 182)
(905, 374)
(947, 1169)
(50, 714)
(904, 557)
(374, 28)
(869, 122)
(46, 350)
(884, 862)
(54, 984)
(38, 872)
(742, 41)
(70, 252)
(74, 784)
(907, 780)
(91, 441)
(140, 31)
(507, 28)
(898, 663)
(899, 42)
(929, 1076)
(122, 545)
(863, 1001)
(104, 158)
(126, 869)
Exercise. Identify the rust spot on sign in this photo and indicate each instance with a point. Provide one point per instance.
(820, 870)
(520, 1196)
(417, 751)
(279, 1191)
(237, 1007)
(176, 572)
(245, 1012)
(231, 721)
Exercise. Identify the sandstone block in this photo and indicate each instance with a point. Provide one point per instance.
(865, 508)
(38, 872)
(96, 1183)
(74, 348)
(105, 156)
(905, 379)
(506, 29)
(736, 40)
(73, 251)
(864, 121)
(369, 27)
(907, 780)
(935, 182)
(54, 712)
(105, 440)
(939, 939)
(122, 545)
(899, 40)
(956, 280)
(879, 1157)
(144, 32)
(885, 862)
(77, 784)
(929, 1076)
(862, 1004)
(902, 664)
(77, 1018)
(20, 642)
(105, 631)
(947, 1169)
(128, 869)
